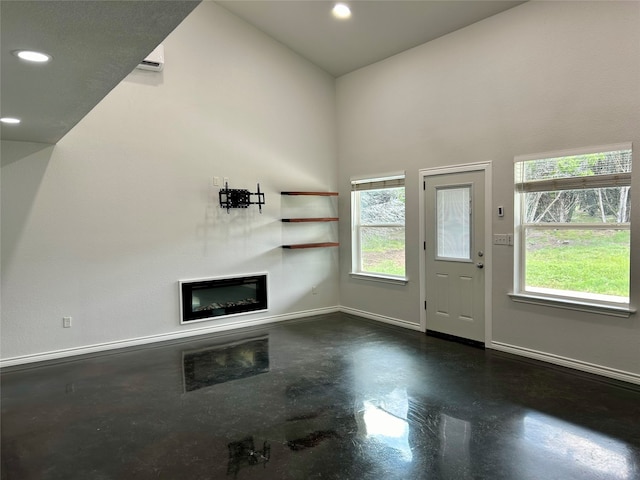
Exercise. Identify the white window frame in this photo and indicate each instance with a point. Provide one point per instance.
(391, 180)
(582, 302)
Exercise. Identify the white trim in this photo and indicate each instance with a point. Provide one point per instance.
(375, 177)
(578, 226)
(499, 346)
(222, 277)
(623, 311)
(133, 342)
(485, 167)
(384, 225)
(376, 277)
(462, 168)
(568, 362)
(382, 318)
(614, 147)
(354, 205)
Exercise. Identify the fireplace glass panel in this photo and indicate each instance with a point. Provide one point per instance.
(205, 299)
(223, 363)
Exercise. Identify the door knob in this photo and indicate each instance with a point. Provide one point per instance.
(480, 265)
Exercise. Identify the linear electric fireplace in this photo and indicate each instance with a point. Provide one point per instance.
(209, 298)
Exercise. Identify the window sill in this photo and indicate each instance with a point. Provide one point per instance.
(380, 278)
(616, 311)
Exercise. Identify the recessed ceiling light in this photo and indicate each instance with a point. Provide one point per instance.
(341, 10)
(10, 120)
(32, 56)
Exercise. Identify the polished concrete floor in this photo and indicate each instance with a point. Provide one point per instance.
(331, 397)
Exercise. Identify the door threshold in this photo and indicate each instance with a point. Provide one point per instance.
(454, 338)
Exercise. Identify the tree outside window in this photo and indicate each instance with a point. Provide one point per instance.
(573, 225)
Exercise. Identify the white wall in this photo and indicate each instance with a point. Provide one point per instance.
(542, 76)
(101, 226)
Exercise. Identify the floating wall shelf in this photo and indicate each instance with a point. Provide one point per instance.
(311, 219)
(300, 220)
(316, 194)
(311, 245)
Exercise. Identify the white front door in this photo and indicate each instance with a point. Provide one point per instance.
(455, 254)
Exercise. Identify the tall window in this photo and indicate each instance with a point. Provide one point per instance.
(572, 225)
(378, 238)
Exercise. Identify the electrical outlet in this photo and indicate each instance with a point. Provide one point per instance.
(314, 290)
(225, 181)
(216, 181)
(66, 322)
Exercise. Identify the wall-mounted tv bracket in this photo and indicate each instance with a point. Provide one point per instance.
(239, 198)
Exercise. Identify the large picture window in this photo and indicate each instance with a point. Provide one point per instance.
(378, 226)
(572, 225)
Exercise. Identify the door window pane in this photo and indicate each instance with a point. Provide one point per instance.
(453, 227)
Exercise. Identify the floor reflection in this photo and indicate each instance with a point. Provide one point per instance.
(222, 363)
(313, 439)
(570, 445)
(244, 454)
(384, 419)
(454, 445)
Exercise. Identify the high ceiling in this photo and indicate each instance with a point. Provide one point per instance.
(96, 43)
(376, 30)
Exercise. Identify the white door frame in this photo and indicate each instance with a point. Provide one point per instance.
(423, 173)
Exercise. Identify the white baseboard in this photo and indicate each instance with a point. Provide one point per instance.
(381, 318)
(231, 325)
(567, 362)
(133, 342)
